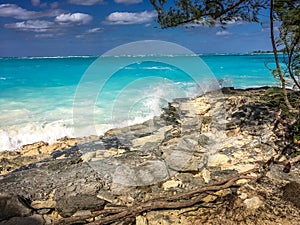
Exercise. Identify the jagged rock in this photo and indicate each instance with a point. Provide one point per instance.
(32, 220)
(12, 206)
(67, 205)
(192, 143)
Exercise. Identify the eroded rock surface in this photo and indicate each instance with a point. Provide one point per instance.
(194, 142)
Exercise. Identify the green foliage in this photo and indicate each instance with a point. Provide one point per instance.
(288, 13)
(275, 98)
(222, 12)
(204, 12)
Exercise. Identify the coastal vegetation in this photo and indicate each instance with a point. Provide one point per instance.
(284, 12)
(211, 13)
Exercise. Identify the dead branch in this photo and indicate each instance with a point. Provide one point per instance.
(178, 201)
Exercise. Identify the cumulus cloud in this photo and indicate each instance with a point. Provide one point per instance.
(86, 2)
(62, 21)
(14, 11)
(32, 25)
(77, 18)
(125, 18)
(223, 33)
(128, 2)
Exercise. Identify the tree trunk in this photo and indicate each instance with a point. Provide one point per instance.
(282, 80)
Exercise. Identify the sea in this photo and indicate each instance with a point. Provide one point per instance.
(47, 98)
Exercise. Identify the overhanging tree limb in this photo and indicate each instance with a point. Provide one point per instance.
(278, 69)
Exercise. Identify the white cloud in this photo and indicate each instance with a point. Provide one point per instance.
(90, 32)
(223, 33)
(128, 2)
(35, 2)
(32, 25)
(14, 11)
(95, 30)
(61, 22)
(44, 35)
(75, 18)
(125, 18)
(86, 2)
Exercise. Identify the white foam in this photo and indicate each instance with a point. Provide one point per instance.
(13, 137)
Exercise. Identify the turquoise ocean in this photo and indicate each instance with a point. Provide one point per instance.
(37, 94)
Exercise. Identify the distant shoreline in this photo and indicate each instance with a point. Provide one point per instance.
(94, 56)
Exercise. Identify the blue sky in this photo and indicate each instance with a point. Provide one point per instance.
(91, 27)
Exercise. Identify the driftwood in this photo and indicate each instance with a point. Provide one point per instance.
(178, 201)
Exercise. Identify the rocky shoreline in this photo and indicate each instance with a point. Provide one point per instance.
(194, 143)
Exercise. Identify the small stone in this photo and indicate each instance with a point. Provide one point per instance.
(55, 215)
(233, 132)
(48, 204)
(141, 220)
(82, 213)
(253, 203)
(209, 198)
(243, 181)
(106, 196)
(171, 184)
(49, 220)
(206, 175)
(243, 196)
(218, 160)
(88, 156)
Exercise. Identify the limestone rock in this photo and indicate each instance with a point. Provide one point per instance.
(68, 205)
(218, 160)
(47, 204)
(11, 206)
(141, 220)
(171, 184)
(253, 203)
(206, 175)
(32, 220)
